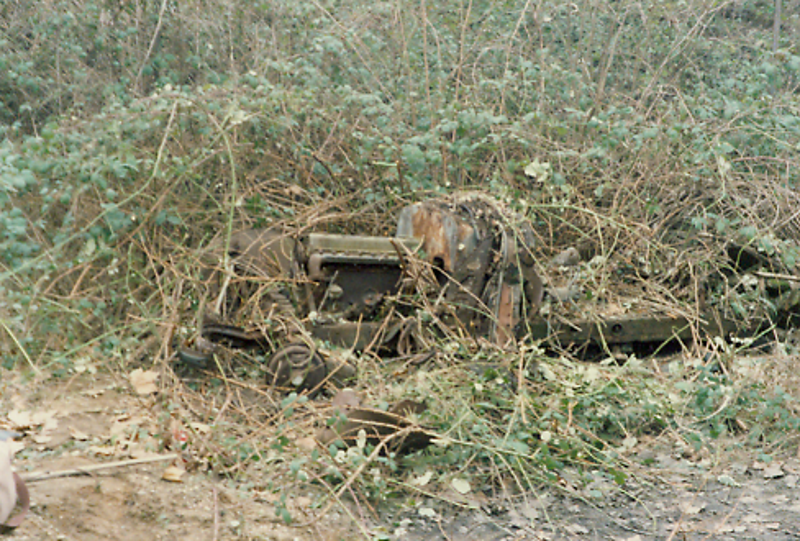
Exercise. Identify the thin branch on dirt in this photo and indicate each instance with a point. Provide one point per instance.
(43, 475)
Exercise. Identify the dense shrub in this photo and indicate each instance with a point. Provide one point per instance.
(134, 132)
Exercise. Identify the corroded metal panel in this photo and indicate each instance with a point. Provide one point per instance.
(356, 244)
(621, 330)
(442, 234)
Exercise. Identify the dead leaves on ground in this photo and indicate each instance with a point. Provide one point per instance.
(40, 424)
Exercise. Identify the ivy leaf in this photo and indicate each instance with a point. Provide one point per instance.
(538, 170)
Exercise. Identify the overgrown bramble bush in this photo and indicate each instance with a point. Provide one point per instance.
(135, 132)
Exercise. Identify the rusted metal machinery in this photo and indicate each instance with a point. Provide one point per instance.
(462, 265)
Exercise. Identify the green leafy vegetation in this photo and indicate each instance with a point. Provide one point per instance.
(133, 133)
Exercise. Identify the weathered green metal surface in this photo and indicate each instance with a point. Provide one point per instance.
(625, 329)
(328, 242)
(617, 330)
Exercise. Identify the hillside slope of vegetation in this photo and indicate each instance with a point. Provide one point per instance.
(132, 133)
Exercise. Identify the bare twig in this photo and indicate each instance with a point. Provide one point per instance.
(152, 42)
(772, 275)
(43, 475)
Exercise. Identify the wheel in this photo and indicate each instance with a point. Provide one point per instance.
(296, 367)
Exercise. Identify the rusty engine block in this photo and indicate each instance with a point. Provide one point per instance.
(464, 256)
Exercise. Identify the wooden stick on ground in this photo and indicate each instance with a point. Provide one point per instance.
(42, 475)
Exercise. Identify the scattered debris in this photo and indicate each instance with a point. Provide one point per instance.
(394, 426)
(773, 471)
(174, 473)
(459, 267)
(297, 366)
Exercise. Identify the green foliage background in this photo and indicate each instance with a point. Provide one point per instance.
(131, 132)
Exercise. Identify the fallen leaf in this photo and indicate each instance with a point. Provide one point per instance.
(628, 444)
(119, 426)
(200, 428)
(84, 364)
(308, 443)
(773, 471)
(20, 419)
(103, 450)
(346, 398)
(41, 438)
(26, 419)
(460, 485)
(691, 508)
(792, 465)
(538, 170)
(294, 190)
(140, 451)
(173, 474)
(47, 419)
(361, 439)
(577, 529)
(423, 479)
(77, 434)
(144, 382)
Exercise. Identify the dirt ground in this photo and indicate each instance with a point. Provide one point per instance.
(85, 421)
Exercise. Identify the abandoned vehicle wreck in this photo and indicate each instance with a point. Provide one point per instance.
(459, 267)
